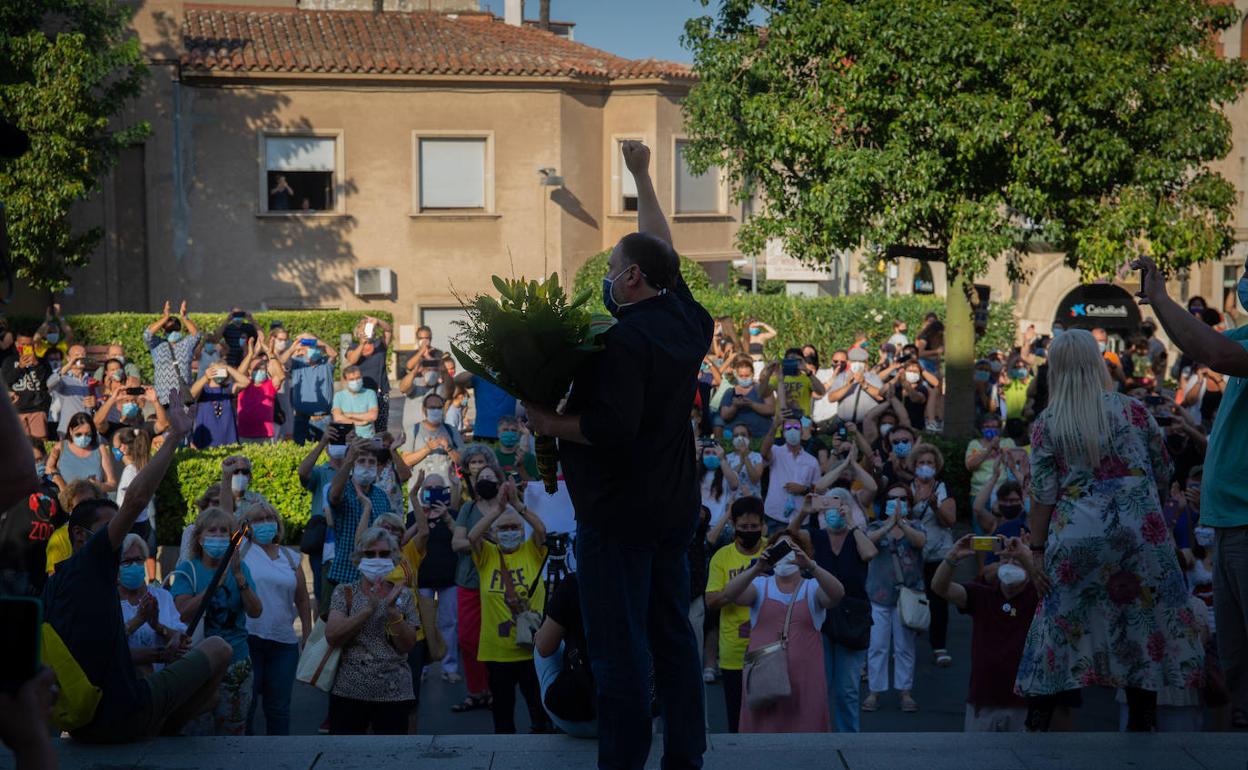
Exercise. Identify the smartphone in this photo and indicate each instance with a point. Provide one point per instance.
(135, 391)
(431, 496)
(904, 359)
(777, 552)
(339, 431)
(789, 367)
(989, 543)
(842, 433)
(1164, 420)
(308, 343)
(1154, 400)
(22, 619)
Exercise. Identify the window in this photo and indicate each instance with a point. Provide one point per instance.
(299, 173)
(695, 193)
(453, 173)
(626, 186)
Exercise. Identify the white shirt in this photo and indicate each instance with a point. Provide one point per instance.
(275, 581)
(127, 476)
(807, 591)
(786, 467)
(716, 507)
(898, 341)
(823, 409)
(855, 406)
(166, 614)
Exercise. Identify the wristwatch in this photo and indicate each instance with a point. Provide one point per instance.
(808, 574)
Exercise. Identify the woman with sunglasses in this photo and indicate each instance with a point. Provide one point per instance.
(374, 623)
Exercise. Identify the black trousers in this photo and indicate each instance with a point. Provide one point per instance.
(504, 679)
(1141, 709)
(938, 631)
(348, 716)
(732, 697)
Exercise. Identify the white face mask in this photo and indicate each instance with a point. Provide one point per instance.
(913, 377)
(510, 539)
(336, 451)
(364, 475)
(1011, 575)
(1204, 536)
(239, 482)
(787, 566)
(434, 416)
(376, 569)
(740, 442)
(857, 367)
(281, 345)
(745, 382)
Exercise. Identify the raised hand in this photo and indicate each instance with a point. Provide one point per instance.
(636, 157)
(181, 419)
(1152, 282)
(168, 309)
(182, 309)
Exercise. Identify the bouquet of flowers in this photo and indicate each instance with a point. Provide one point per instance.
(530, 342)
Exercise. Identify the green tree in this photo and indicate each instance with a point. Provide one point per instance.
(68, 67)
(974, 128)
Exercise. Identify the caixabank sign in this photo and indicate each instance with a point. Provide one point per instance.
(1101, 305)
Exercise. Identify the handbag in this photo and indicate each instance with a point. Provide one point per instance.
(318, 663)
(427, 611)
(911, 603)
(312, 542)
(849, 623)
(766, 672)
(527, 620)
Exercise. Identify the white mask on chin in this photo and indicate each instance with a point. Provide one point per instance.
(787, 566)
(1011, 575)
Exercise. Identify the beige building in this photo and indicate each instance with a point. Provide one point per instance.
(306, 157)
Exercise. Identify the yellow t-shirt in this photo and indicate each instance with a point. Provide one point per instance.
(405, 572)
(734, 621)
(59, 548)
(498, 630)
(798, 393)
(981, 475)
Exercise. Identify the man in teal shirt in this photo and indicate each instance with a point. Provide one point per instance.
(1224, 488)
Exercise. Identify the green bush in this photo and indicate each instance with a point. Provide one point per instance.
(104, 328)
(829, 323)
(274, 469)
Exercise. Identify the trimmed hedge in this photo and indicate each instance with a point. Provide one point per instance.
(274, 469)
(830, 323)
(103, 328)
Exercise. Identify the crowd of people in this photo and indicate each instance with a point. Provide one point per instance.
(831, 536)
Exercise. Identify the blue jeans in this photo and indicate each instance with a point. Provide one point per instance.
(304, 431)
(635, 604)
(547, 670)
(273, 670)
(843, 668)
(318, 569)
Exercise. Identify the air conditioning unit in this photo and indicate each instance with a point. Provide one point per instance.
(374, 281)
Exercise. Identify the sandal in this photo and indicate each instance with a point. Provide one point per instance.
(451, 678)
(943, 659)
(472, 703)
(871, 702)
(908, 703)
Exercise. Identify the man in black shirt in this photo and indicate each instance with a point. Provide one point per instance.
(81, 604)
(625, 441)
(25, 527)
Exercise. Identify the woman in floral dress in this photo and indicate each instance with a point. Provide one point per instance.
(1115, 610)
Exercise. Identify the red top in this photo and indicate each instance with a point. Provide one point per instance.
(255, 410)
(998, 633)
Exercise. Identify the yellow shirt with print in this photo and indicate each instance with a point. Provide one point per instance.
(798, 393)
(498, 629)
(734, 620)
(406, 572)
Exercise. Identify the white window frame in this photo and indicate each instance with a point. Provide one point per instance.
(721, 200)
(488, 210)
(339, 188)
(618, 171)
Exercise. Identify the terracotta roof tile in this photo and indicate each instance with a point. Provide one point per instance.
(222, 39)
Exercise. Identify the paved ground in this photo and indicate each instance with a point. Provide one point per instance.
(990, 751)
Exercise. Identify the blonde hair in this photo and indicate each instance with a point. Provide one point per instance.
(373, 535)
(1077, 417)
(392, 519)
(133, 539)
(260, 508)
(211, 517)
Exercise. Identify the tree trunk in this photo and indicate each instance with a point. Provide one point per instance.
(959, 358)
(544, 17)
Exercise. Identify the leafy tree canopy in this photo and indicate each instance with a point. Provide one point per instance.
(66, 69)
(973, 126)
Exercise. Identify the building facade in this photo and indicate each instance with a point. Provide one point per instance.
(310, 157)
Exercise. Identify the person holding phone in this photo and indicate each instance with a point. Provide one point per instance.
(786, 575)
(437, 572)
(237, 331)
(369, 355)
(745, 403)
(216, 417)
(433, 447)
(793, 470)
(310, 362)
(25, 378)
(73, 385)
(900, 538)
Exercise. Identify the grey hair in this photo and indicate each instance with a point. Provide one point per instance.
(372, 535)
(491, 460)
(391, 519)
(132, 539)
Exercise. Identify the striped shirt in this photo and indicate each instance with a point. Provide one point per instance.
(163, 361)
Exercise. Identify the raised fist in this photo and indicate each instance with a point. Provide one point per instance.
(636, 157)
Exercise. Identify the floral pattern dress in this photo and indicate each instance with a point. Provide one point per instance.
(1116, 614)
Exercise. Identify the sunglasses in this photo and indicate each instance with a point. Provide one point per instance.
(376, 554)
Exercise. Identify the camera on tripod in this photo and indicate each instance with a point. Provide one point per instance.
(558, 544)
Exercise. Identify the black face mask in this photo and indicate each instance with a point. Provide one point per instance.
(487, 489)
(749, 539)
(1010, 510)
(1176, 443)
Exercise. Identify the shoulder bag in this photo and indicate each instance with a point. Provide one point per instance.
(427, 611)
(766, 673)
(318, 663)
(849, 623)
(911, 603)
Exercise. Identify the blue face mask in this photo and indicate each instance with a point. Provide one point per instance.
(1241, 290)
(215, 546)
(132, 576)
(118, 454)
(981, 376)
(129, 409)
(991, 433)
(711, 462)
(509, 439)
(40, 468)
(896, 507)
(902, 449)
(259, 376)
(755, 331)
(82, 441)
(174, 337)
(834, 520)
(608, 292)
(264, 532)
(1018, 374)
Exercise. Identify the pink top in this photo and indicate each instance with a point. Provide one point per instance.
(255, 410)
